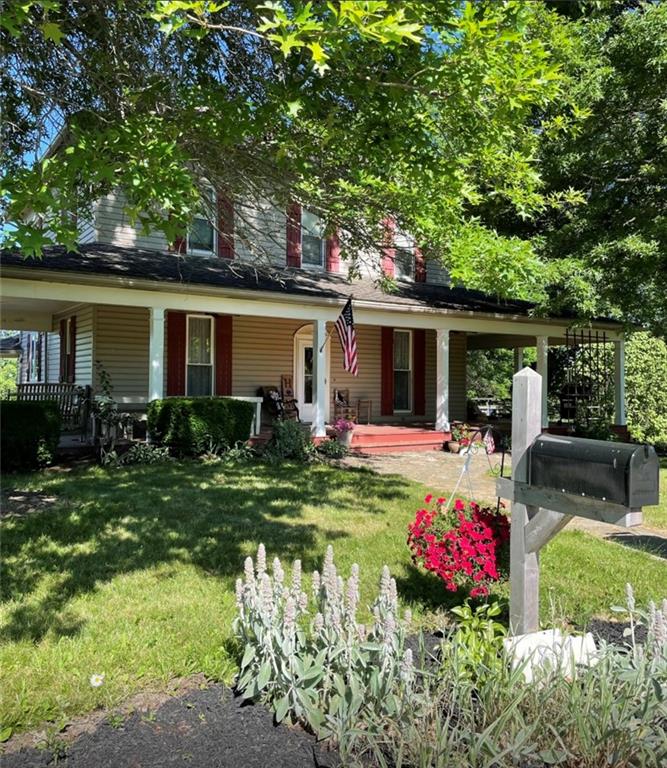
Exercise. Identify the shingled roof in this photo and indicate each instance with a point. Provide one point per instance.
(139, 264)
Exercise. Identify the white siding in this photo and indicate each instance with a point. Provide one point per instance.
(260, 232)
(114, 227)
(86, 227)
(436, 274)
(121, 346)
(53, 358)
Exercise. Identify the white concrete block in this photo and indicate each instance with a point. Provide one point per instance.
(538, 653)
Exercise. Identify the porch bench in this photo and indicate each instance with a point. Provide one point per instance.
(73, 401)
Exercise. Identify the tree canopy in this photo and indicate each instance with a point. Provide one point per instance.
(522, 143)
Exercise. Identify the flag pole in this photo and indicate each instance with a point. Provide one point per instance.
(328, 336)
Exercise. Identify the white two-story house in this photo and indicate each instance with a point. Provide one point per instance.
(197, 317)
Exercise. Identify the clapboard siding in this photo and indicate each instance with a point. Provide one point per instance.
(263, 350)
(436, 274)
(121, 346)
(458, 346)
(86, 227)
(53, 358)
(260, 232)
(113, 226)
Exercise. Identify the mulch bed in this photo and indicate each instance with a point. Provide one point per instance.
(206, 728)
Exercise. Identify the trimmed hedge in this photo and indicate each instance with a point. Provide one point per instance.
(30, 433)
(191, 426)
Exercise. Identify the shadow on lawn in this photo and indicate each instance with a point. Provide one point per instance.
(107, 523)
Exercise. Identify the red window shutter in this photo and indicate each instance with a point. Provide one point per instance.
(388, 251)
(420, 266)
(419, 371)
(223, 354)
(180, 244)
(333, 253)
(387, 372)
(225, 227)
(71, 358)
(176, 323)
(294, 235)
(63, 351)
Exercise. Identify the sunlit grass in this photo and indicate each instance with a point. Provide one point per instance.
(656, 517)
(131, 572)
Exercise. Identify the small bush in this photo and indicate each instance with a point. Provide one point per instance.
(30, 433)
(646, 388)
(332, 449)
(193, 426)
(289, 441)
(145, 453)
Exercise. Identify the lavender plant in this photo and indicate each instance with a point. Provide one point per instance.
(311, 658)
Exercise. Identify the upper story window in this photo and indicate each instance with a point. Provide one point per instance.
(202, 236)
(199, 359)
(313, 242)
(404, 264)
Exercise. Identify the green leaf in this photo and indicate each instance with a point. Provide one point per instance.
(282, 708)
(264, 675)
(52, 31)
(5, 733)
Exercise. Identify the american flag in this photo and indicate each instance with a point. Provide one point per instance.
(348, 338)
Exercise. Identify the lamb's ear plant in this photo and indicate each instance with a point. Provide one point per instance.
(311, 658)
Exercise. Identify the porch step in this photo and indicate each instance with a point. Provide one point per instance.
(401, 440)
(376, 450)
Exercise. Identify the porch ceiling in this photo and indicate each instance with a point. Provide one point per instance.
(30, 314)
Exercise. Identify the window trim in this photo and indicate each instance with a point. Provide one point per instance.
(323, 246)
(211, 320)
(204, 251)
(410, 370)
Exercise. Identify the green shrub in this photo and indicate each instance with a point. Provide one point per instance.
(30, 433)
(192, 426)
(332, 449)
(289, 441)
(646, 388)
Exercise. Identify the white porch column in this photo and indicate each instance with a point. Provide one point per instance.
(442, 380)
(619, 382)
(156, 354)
(318, 427)
(543, 370)
(518, 359)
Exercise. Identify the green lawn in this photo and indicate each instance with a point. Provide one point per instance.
(131, 572)
(656, 517)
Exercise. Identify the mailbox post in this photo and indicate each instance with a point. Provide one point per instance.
(557, 478)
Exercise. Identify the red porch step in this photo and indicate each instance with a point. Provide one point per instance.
(379, 439)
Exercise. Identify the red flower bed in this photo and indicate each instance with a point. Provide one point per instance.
(466, 546)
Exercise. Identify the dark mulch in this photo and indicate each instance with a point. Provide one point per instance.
(207, 728)
(612, 632)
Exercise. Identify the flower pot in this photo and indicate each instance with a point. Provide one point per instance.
(453, 446)
(345, 438)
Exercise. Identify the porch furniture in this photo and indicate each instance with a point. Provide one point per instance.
(273, 402)
(289, 400)
(73, 402)
(365, 405)
(256, 425)
(342, 407)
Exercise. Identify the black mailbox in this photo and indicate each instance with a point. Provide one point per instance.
(620, 473)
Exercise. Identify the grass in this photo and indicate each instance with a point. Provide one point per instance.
(131, 572)
(656, 517)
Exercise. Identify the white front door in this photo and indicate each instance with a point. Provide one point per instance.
(303, 376)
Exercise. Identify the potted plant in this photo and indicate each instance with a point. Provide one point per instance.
(343, 429)
(460, 437)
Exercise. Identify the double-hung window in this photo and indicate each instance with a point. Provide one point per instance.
(199, 356)
(202, 237)
(402, 371)
(312, 240)
(404, 264)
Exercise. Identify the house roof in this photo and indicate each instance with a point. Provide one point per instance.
(135, 264)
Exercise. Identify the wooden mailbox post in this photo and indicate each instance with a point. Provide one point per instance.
(540, 510)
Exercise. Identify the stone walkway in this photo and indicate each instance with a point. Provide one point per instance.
(440, 471)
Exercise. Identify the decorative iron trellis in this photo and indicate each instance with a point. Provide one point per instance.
(587, 388)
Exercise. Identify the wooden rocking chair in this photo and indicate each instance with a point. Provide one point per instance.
(342, 407)
(291, 409)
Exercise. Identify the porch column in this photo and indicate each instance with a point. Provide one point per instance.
(619, 382)
(318, 428)
(543, 370)
(518, 359)
(442, 379)
(156, 354)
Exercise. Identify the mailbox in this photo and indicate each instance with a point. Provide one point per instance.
(619, 473)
